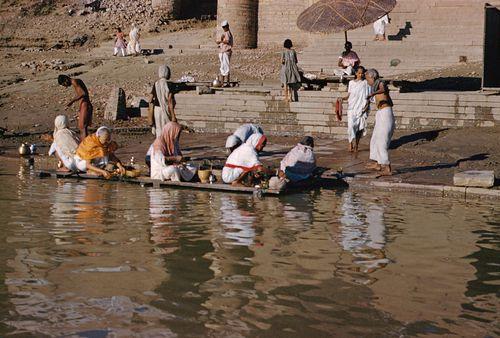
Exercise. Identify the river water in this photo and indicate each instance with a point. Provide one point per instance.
(104, 259)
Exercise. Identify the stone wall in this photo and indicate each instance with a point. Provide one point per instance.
(314, 114)
(278, 21)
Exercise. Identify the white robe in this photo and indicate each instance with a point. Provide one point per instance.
(244, 158)
(174, 172)
(382, 134)
(225, 63)
(379, 25)
(133, 45)
(356, 116)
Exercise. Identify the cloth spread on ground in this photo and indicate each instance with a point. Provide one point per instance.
(299, 164)
(382, 134)
(356, 114)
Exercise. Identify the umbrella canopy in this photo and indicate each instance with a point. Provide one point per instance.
(333, 16)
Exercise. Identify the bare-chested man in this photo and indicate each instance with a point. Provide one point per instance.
(384, 124)
(82, 95)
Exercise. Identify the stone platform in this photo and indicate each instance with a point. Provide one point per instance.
(314, 112)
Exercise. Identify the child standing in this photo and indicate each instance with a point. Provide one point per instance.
(290, 76)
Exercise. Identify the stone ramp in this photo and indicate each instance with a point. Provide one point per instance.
(441, 33)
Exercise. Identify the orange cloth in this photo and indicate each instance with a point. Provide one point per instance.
(91, 148)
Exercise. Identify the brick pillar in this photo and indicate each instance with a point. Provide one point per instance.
(243, 20)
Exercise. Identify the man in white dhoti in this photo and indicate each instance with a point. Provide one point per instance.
(134, 47)
(225, 43)
(379, 27)
(163, 102)
(358, 107)
(384, 124)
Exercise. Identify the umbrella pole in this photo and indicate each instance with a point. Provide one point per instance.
(345, 33)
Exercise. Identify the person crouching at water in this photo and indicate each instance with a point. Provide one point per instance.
(358, 107)
(96, 151)
(64, 145)
(300, 163)
(166, 156)
(82, 96)
(163, 101)
(241, 135)
(243, 164)
(384, 124)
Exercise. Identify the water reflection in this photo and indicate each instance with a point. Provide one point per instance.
(105, 259)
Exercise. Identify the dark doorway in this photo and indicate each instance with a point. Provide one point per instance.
(199, 9)
(491, 61)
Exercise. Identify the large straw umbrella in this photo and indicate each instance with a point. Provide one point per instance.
(334, 16)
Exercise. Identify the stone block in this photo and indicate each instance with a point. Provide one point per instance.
(475, 178)
(116, 108)
(200, 90)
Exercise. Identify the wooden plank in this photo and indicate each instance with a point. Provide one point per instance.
(314, 183)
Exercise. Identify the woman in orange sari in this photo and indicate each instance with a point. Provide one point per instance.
(96, 151)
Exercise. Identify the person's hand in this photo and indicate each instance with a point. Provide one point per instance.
(106, 174)
(174, 119)
(178, 158)
(281, 174)
(121, 169)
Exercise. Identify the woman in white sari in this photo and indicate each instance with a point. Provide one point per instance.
(358, 107)
(244, 160)
(65, 144)
(163, 101)
(166, 156)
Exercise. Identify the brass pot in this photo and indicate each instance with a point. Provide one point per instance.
(24, 149)
(204, 175)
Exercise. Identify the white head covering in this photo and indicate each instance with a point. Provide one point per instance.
(103, 130)
(224, 23)
(64, 138)
(232, 141)
(164, 72)
(255, 140)
(61, 122)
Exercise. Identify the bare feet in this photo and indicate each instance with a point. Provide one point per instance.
(351, 148)
(386, 170)
(372, 166)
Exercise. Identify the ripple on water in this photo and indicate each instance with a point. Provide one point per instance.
(94, 259)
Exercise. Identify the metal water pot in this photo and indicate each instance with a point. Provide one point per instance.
(24, 149)
(217, 83)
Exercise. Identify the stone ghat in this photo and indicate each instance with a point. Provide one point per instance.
(314, 112)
